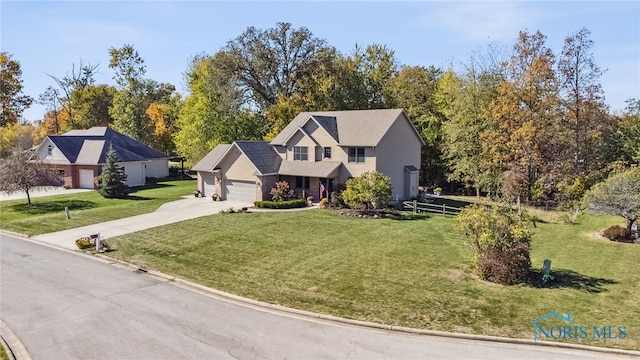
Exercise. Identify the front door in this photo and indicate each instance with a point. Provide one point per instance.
(326, 185)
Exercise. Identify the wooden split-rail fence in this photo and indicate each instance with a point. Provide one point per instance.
(443, 209)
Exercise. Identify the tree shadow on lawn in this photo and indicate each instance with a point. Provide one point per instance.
(150, 186)
(570, 279)
(46, 207)
(412, 216)
(134, 197)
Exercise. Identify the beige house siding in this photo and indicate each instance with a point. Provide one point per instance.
(300, 139)
(236, 166)
(323, 138)
(266, 184)
(352, 169)
(398, 148)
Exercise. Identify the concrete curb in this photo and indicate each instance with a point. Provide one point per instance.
(239, 300)
(15, 348)
(186, 284)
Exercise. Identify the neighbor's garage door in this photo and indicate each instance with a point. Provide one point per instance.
(237, 190)
(86, 179)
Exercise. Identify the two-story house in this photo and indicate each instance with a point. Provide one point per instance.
(316, 151)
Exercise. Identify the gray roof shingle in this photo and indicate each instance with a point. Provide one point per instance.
(352, 127)
(321, 169)
(262, 155)
(212, 158)
(90, 146)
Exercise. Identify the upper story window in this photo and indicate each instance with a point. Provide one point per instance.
(327, 153)
(356, 154)
(300, 153)
(49, 150)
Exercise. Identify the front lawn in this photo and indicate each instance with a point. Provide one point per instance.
(402, 272)
(47, 214)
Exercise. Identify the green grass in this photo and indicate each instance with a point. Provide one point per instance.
(412, 273)
(3, 353)
(47, 214)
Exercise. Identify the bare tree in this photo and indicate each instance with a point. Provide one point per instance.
(76, 80)
(19, 173)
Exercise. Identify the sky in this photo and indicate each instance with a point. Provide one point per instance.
(50, 37)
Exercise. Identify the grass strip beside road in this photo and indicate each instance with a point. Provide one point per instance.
(47, 214)
(402, 272)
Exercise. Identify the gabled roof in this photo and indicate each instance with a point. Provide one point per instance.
(90, 146)
(329, 124)
(349, 128)
(262, 155)
(304, 133)
(210, 160)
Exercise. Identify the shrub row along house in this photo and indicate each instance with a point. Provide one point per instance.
(316, 151)
(78, 156)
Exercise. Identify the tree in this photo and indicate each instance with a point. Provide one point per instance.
(135, 94)
(50, 98)
(267, 63)
(629, 131)
(371, 189)
(91, 105)
(526, 135)
(376, 66)
(12, 101)
(69, 85)
(465, 99)
(414, 89)
(582, 97)
(19, 173)
(16, 137)
(112, 183)
(618, 195)
(501, 243)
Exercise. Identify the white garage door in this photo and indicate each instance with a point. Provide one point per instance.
(237, 190)
(208, 184)
(86, 179)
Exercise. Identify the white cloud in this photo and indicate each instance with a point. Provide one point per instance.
(493, 20)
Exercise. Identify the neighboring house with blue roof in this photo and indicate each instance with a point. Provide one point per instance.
(316, 151)
(78, 156)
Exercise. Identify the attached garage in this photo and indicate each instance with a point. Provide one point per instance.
(236, 190)
(86, 179)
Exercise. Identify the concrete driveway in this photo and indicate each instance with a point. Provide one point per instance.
(190, 207)
(39, 193)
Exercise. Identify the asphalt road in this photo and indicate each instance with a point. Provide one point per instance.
(66, 306)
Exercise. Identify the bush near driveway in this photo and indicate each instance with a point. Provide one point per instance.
(285, 204)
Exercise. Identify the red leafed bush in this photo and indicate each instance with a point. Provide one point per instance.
(617, 233)
(505, 266)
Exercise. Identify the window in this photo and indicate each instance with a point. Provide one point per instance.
(327, 153)
(300, 153)
(302, 182)
(356, 154)
(49, 150)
